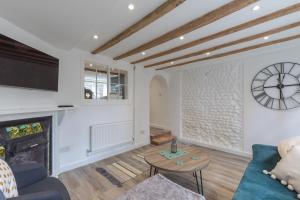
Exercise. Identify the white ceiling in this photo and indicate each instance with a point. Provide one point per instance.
(69, 24)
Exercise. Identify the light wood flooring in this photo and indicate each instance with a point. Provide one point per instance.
(220, 178)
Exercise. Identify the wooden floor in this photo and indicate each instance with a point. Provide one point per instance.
(220, 179)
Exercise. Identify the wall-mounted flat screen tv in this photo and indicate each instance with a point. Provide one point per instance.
(26, 67)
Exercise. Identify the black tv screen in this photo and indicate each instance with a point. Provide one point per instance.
(24, 66)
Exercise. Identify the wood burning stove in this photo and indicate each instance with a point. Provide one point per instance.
(27, 141)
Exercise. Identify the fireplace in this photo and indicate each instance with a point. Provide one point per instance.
(27, 141)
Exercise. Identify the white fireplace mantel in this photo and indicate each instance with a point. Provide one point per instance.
(24, 110)
(57, 115)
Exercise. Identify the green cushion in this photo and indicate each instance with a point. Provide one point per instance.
(255, 185)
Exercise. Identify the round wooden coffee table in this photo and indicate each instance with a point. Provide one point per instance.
(193, 161)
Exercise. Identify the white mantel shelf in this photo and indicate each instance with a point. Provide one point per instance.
(25, 110)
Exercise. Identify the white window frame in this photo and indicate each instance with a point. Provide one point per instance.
(108, 100)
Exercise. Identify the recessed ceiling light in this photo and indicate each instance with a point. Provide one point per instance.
(131, 6)
(181, 37)
(143, 53)
(91, 65)
(172, 63)
(256, 8)
(266, 37)
(95, 37)
(208, 53)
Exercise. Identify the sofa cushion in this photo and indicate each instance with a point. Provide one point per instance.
(286, 145)
(8, 184)
(287, 168)
(48, 184)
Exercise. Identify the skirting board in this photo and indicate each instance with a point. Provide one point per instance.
(100, 156)
(238, 153)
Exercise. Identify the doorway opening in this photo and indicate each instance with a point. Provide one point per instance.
(160, 132)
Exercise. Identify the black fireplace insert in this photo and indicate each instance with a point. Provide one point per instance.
(27, 141)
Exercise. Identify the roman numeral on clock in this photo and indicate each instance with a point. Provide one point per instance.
(282, 68)
(269, 102)
(267, 72)
(258, 88)
(260, 96)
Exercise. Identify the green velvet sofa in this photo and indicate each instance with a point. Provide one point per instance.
(255, 185)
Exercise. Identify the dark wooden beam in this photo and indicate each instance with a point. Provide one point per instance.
(228, 44)
(204, 20)
(249, 24)
(236, 51)
(154, 15)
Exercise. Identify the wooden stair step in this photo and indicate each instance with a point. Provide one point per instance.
(162, 140)
(161, 134)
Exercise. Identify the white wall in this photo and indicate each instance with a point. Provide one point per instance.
(260, 125)
(74, 129)
(159, 111)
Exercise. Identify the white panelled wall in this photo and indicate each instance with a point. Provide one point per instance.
(214, 107)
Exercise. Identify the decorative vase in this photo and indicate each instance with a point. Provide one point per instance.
(174, 146)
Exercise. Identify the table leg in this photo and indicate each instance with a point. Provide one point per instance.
(150, 170)
(196, 177)
(155, 171)
(201, 182)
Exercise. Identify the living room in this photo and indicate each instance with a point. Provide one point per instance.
(160, 99)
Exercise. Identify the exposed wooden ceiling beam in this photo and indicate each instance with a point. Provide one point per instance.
(246, 39)
(236, 51)
(255, 22)
(204, 20)
(154, 15)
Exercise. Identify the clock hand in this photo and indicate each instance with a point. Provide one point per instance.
(292, 85)
(282, 98)
(275, 86)
(279, 79)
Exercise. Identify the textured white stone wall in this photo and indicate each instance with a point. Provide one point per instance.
(212, 105)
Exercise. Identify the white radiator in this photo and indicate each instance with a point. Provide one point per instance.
(107, 135)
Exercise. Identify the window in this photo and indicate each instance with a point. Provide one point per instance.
(104, 83)
(95, 82)
(118, 84)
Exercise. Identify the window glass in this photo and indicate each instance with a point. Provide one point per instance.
(89, 84)
(95, 81)
(118, 84)
(101, 82)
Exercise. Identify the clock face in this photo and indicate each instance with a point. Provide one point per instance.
(278, 86)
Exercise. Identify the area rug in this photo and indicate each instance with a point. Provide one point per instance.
(160, 188)
(110, 177)
(119, 172)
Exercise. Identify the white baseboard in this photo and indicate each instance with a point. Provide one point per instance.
(154, 125)
(100, 156)
(235, 152)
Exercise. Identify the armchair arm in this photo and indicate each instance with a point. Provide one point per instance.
(46, 195)
(265, 153)
(28, 174)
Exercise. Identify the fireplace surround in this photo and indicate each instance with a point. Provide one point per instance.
(27, 141)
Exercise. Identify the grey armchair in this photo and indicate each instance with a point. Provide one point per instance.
(34, 184)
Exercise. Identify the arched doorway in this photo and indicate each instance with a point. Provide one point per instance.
(159, 111)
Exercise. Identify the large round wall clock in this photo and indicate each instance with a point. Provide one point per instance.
(277, 86)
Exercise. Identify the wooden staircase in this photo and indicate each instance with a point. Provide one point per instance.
(160, 136)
